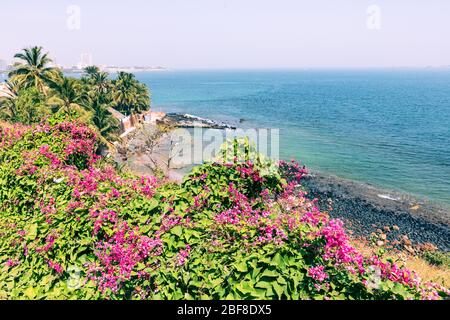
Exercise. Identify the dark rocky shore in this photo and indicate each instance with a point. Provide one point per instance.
(366, 209)
(189, 121)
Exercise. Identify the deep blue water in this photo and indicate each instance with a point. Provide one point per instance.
(388, 128)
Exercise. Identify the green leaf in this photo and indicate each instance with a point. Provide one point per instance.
(177, 230)
(241, 267)
(30, 292)
(269, 273)
(278, 289)
(32, 232)
(264, 285)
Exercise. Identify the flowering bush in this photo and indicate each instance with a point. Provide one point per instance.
(72, 226)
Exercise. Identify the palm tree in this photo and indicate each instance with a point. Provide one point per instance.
(7, 101)
(25, 106)
(143, 98)
(68, 97)
(34, 69)
(100, 84)
(129, 95)
(125, 92)
(107, 126)
(91, 70)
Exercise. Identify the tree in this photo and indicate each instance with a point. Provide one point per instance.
(100, 86)
(107, 125)
(129, 95)
(26, 106)
(143, 98)
(33, 70)
(124, 94)
(67, 97)
(7, 100)
(91, 70)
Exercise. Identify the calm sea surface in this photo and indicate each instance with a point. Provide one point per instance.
(388, 128)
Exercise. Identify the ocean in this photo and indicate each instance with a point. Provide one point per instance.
(386, 128)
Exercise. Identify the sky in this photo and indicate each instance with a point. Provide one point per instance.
(232, 34)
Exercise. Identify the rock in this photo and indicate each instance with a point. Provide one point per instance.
(380, 243)
(407, 242)
(429, 247)
(409, 249)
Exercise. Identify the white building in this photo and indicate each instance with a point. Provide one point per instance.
(86, 60)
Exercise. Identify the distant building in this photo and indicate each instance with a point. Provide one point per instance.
(86, 60)
(153, 116)
(129, 123)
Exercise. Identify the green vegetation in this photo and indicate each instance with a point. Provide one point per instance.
(33, 70)
(129, 95)
(73, 226)
(437, 258)
(39, 90)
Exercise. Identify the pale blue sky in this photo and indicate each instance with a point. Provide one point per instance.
(233, 33)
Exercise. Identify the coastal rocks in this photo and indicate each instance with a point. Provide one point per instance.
(380, 243)
(381, 218)
(410, 250)
(190, 121)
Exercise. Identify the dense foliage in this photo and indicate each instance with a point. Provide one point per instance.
(37, 90)
(72, 226)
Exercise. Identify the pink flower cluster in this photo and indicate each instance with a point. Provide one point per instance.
(119, 255)
(247, 170)
(171, 220)
(146, 185)
(82, 140)
(102, 216)
(50, 242)
(292, 170)
(242, 217)
(183, 255)
(44, 150)
(10, 135)
(318, 273)
(55, 266)
(272, 233)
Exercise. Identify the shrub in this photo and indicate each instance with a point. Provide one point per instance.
(71, 227)
(437, 258)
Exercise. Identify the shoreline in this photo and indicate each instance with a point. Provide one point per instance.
(363, 207)
(365, 211)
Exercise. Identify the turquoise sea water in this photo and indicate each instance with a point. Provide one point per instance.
(388, 128)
